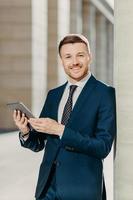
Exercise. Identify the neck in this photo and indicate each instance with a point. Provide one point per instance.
(73, 81)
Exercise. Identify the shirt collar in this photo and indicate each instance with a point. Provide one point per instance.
(82, 82)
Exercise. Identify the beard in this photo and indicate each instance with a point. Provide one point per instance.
(79, 75)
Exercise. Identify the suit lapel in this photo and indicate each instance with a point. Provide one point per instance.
(58, 96)
(83, 97)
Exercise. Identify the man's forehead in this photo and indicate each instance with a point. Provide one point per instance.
(77, 47)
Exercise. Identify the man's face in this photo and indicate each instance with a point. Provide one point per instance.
(76, 60)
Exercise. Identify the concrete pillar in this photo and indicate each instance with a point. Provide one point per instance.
(103, 72)
(124, 86)
(110, 52)
(39, 54)
(92, 35)
(22, 56)
(52, 72)
(89, 29)
(101, 47)
(85, 17)
(63, 29)
(109, 161)
(15, 57)
(76, 16)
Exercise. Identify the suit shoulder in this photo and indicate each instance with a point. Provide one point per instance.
(105, 93)
(56, 89)
(101, 86)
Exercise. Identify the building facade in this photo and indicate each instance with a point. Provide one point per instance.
(29, 35)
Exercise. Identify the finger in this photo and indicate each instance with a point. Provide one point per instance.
(36, 120)
(34, 123)
(39, 126)
(36, 126)
(15, 117)
(18, 115)
(25, 121)
(22, 120)
(14, 114)
(40, 131)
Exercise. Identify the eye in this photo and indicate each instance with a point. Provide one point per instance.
(68, 56)
(81, 55)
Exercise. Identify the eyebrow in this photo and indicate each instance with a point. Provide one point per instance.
(80, 52)
(67, 54)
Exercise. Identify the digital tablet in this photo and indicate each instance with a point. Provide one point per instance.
(21, 107)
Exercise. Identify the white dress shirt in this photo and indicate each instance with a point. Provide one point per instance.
(76, 94)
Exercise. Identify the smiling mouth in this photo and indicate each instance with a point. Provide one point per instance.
(76, 69)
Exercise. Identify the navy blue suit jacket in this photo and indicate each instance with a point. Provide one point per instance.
(86, 141)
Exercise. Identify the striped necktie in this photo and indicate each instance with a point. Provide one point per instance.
(68, 105)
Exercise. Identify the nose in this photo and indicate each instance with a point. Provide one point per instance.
(75, 61)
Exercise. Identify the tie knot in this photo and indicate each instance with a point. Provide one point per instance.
(72, 89)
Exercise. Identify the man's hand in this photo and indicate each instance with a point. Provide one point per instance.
(47, 125)
(21, 121)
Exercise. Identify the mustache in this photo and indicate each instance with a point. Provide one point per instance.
(75, 66)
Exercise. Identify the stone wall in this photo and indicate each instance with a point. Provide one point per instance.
(15, 56)
(124, 86)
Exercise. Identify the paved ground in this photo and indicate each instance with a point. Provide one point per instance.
(19, 170)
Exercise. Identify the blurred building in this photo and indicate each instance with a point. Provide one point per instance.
(30, 31)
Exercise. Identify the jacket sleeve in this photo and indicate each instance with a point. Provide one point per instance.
(36, 141)
(100, 144)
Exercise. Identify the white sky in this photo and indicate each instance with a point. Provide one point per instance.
(111, 2)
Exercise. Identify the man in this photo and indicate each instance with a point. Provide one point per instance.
(76, 128)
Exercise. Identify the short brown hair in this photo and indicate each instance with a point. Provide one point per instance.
(72, 38)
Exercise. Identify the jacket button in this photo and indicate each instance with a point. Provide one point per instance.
(56, 163)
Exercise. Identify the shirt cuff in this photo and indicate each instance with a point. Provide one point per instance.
(24, 137)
